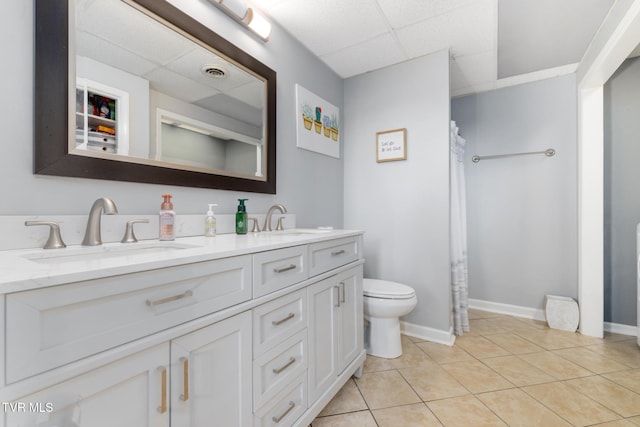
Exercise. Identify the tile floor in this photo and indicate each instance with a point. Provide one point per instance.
(507, 371)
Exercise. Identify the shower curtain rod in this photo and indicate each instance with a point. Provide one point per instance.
(549, 152)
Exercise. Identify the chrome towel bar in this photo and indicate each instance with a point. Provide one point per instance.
(549, 152)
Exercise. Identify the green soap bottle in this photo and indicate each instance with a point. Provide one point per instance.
(241, 217)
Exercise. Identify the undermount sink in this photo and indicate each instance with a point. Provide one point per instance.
(78, 254)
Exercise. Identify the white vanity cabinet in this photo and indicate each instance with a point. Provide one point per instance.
(211, 375)
(257, 336)
(335, 328)
(130, 392)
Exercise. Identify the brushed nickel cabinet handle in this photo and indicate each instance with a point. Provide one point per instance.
(291, 361)
(185, 294)
(283, 269)
(284, 319)
(185, 379)
(163, 390)
(277, 419)
(338, 296)
(336, 253)
(341, 292)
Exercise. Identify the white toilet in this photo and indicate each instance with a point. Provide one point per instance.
(384, 303)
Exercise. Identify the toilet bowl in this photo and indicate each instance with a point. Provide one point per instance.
(384, 303)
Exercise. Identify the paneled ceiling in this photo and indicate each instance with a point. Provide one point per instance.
(489, 40)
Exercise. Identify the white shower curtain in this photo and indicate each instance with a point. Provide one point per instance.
(458, 244)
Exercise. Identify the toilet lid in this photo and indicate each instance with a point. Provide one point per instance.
(385, 289)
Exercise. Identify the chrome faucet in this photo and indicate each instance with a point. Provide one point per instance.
(267, 220)
(92, 235)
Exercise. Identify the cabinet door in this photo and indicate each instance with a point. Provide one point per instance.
(211, 375)
(323, 305)
(131, 392)
(350, 320)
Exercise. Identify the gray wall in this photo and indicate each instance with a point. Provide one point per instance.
(622, 198)
(403, 205)
(309, 184)
(522, 211)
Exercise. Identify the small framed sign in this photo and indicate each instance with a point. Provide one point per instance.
(391, 145)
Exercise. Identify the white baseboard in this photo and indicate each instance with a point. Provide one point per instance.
(618, 328)
(538, 314)
(428, 334)
(512, 310)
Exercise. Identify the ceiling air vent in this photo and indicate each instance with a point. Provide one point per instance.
(214, 71)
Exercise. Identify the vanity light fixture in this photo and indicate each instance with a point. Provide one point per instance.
(247, 16)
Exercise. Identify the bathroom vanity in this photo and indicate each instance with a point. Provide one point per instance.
(255, 330)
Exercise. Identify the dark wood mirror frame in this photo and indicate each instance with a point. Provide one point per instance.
(51, 156)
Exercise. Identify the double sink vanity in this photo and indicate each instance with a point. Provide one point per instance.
(254, 330)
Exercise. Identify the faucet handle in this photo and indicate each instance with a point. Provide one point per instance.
(129, 235)
(279, 226)
(55, 240)
(256, 227)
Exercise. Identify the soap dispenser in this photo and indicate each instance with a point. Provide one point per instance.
(210, 222)
(167, 218)
(241, 217)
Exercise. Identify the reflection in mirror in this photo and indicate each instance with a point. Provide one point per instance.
(152, 96)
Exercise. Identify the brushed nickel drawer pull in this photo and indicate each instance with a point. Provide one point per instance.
(291, 361)
(340, 252)
(279, 418)
(163, 398)
(284, 319)
(283, 269)
(185, 379)
(185, 294)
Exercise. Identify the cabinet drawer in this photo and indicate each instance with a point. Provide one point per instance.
(278, 269)
(325, 256)
(49, 327)
(286, 407)
(277, 320)
(278, 367)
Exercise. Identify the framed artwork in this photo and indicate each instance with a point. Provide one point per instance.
(391, 145)
(317, 124)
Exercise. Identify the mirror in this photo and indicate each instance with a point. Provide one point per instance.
(139, 91)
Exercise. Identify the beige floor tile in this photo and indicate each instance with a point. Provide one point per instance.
(574, 407)
(417, 415)
(629, 379)
(556, 366)
(617, 423)
(474, 313)
(634, 420)
(626, 352)
(615, 397)
(518, 371)
(590, 360)
(486, 327)
(348, 399)
(480, 347)
(433, 383)
(518, 409)
(550, 339)
(476, 377)
(385, 389)
(464, 411)
(412, 355)
(445, 354)
(514, 344)
(360, 419)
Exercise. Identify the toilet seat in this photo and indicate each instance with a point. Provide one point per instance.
(384, 289)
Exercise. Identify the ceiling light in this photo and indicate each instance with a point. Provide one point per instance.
(247, 16)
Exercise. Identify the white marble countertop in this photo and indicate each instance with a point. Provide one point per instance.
(26, 269)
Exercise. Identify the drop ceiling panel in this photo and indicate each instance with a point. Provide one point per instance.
(407, 12)
(370, 55)
(177, 86)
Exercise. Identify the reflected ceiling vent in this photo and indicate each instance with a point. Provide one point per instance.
(214, 71)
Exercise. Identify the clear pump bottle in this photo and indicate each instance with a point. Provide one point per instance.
(210, 222)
